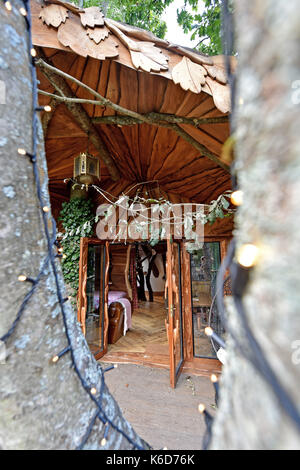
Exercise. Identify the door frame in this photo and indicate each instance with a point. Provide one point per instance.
(191, 362)
(173, 327)
(82, 298)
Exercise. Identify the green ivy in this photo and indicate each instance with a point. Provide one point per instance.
(77, 219)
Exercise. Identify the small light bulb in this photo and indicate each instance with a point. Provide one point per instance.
(103, 442)
(247, 255)
(60, 250)
(46, 209)
(93, 391)
(21, 151)
(22, 278)
(237, 198)
(47, 108)
(33, 52)
(55, 359)
(23, 11)
(214, 378)
(8, 6)
(208, 331)
(201, 408)
(165, 448)
(64, 256)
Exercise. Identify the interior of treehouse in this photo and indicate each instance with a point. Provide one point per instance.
(133, 114)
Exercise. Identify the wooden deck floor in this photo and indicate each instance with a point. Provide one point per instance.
(148, 331)
(161, 415)
(146, 343)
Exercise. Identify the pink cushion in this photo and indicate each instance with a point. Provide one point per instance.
(115, 295)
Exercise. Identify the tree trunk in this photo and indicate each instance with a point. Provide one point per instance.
(268, 163)
(42, 405)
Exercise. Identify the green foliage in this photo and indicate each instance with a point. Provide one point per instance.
(77, 220)
(147, 14)
(219, 208)
(144, 14)
(205, 26)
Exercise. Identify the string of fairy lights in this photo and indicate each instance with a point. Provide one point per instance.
(94, 393)
(240, 262)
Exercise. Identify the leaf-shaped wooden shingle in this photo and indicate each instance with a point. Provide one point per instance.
(217, 72)
(154, 53)
(189, 75)
(92, 17)
(98, 34)
(53, 15)
(141, 61)
(220, 94)
(139, 34)
(128, 42)
(74, 35)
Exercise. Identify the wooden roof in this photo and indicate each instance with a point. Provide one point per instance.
(142, 73)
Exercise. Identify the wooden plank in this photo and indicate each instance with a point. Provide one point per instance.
(113, 88)
(187, 305)
(173, 97)
(160, 361)
(203, 367)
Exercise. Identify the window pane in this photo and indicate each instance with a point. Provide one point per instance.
(95, 297)
(204, 267)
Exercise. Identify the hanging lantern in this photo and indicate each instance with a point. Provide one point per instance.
(86, 169)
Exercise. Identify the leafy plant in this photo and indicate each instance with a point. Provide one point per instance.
(219, 208)
(77, 220)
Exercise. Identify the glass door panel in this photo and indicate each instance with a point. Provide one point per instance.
(93, 294)
(95, 289)
(204, 267)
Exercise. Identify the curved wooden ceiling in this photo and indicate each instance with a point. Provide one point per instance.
(142, 152)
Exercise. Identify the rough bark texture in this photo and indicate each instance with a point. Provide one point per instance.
(42, 406)
(268, 160)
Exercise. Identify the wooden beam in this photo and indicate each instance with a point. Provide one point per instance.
(156, 118)
(202, 149)
(127, 112)
(81, 117)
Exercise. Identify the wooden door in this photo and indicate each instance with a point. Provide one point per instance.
(92, 312)
(174, 320)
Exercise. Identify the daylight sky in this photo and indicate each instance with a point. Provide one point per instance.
(175, 32)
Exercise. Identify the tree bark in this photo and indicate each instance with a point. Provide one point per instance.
(268, 163)
(42, 405)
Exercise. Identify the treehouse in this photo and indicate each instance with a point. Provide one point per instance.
(136, 119)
